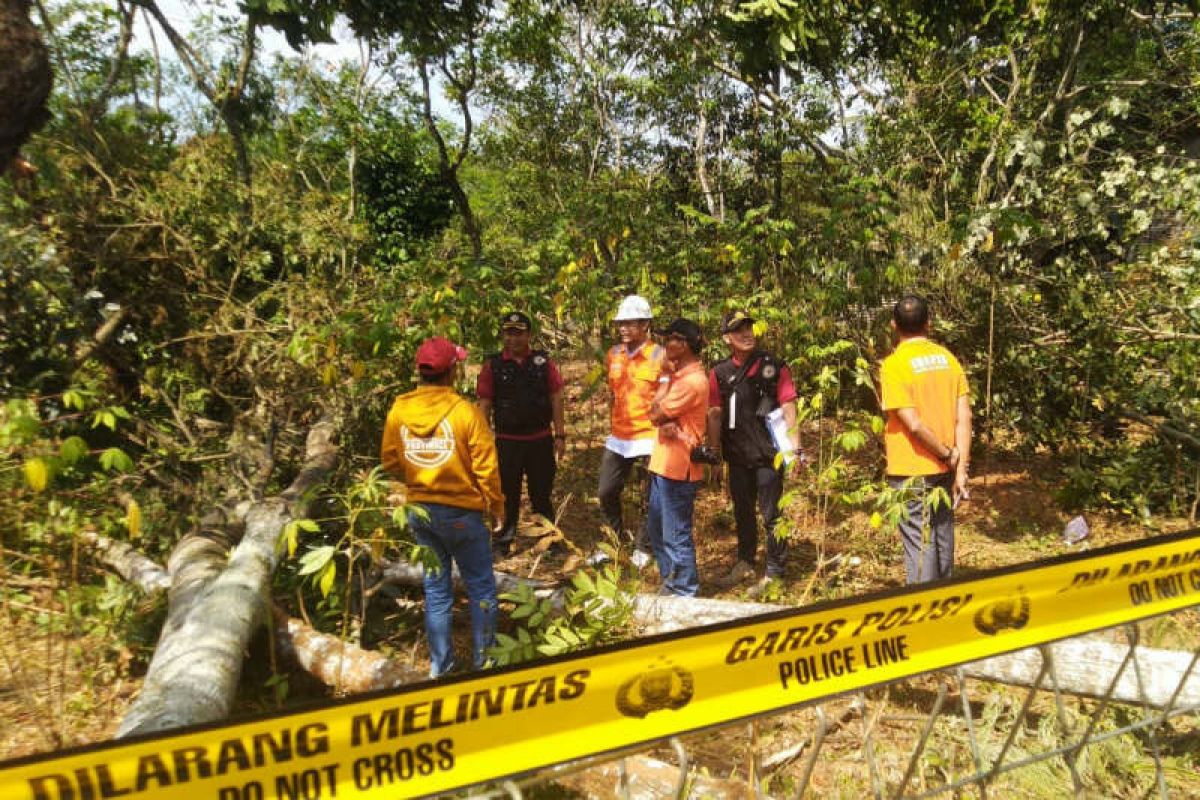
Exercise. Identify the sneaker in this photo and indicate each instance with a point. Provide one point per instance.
(741, 571)
(641, 558)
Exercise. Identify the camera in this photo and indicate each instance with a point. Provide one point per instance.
(703, 454)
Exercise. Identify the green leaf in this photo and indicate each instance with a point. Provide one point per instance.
(328, 574)
(287, 539)
(72, 449)
(114, 460)
(73, 398)
(584, 582)
(315, 559)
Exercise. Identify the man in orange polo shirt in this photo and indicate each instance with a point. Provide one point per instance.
(680, 413)
(927, 439)
(635, 370)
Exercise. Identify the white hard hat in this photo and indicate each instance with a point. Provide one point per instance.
(633, 307)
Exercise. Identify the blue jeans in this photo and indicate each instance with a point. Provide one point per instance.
(669, 528)
(456, 534)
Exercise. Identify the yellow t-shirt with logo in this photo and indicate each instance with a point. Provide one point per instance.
(925, 376)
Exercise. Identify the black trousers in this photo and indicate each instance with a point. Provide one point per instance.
(614, 474)
(761, 487)
(531, 461)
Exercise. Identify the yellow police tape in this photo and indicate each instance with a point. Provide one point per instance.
(434, 737)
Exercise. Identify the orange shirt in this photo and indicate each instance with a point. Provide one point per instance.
(924, 376)
(686, 401)
(633, 380)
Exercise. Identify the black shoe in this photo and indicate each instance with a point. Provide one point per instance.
(502, 545)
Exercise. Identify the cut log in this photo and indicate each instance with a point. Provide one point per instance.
(194, 673)
(1087, 665)
(665, 613)
(345, 667)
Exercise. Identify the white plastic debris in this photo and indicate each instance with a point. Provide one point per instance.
(1075, 531)
(597, 558)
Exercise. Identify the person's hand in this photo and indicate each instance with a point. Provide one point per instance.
(670, 429)
(960, 488)
(560, 446)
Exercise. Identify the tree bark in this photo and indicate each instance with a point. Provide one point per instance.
(127, 562)
(194, 673)
(1087, 666)
(345, 667)
(336, 663)
(25, 80)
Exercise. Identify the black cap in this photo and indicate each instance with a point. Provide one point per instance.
(688, 330)
(734, 320)
(516, 321)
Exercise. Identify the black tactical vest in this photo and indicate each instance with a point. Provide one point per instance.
(749, 443)
(522, 393)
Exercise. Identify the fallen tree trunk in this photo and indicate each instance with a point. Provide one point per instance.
(345, 667)
(1087, 666)
(194, 673)
(338, 664)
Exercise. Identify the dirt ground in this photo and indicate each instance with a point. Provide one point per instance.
(64, 683)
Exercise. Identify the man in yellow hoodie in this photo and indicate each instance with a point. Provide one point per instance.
(441, 446)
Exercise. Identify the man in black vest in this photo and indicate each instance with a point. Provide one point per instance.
(747, 391)
(520, 391)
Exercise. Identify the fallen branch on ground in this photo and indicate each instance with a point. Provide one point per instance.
(195, 669)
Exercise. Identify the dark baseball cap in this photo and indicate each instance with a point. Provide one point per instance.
(734, 320)
(516, 321)
(688, 330)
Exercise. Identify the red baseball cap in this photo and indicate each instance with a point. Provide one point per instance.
(438, 354)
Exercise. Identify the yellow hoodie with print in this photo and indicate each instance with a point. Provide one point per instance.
(440, 445)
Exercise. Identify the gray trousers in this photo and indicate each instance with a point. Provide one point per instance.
(927, 533)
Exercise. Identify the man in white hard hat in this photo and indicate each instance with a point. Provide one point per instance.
(635, 371)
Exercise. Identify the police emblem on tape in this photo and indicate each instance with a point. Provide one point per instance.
(769, 371)
(539, 360)
(665, 686)
(1010, 612)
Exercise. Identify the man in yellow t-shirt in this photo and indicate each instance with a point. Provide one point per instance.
(927, 439)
